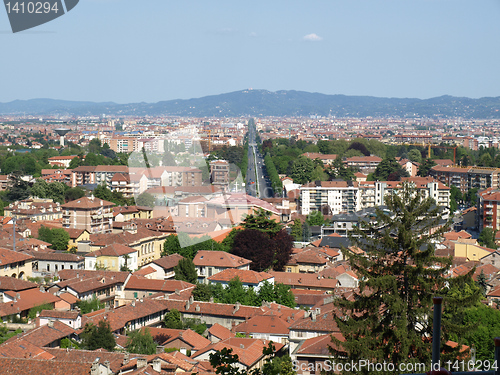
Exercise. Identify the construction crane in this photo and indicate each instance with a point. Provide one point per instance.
(430, 146)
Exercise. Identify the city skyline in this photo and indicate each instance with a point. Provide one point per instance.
(116, 51)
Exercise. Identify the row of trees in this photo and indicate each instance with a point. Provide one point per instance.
(236, 292)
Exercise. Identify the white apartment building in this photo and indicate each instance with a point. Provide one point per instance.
(339, 196)
(346, 197)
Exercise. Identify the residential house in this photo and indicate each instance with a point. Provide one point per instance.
(147, 243)
(304, 281)
(128, 213)
(306, 260)
(164, 266)
(317, 322)
(135, 315)
(141, 287)
(313, 355)
(107, 286)
(267, 327)
(187, 341)
(34, 209)
(209, 263)
(114, 257)
(72, 319)
(19, 303)
(61, 161)
(248, 350)
(248, 278)
(15, 264)
(49, 263)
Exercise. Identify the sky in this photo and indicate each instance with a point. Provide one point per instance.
(128, 51)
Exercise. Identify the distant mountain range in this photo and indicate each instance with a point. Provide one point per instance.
(267, 103)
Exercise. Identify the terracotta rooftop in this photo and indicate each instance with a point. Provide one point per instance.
(219, 259)
(168, 286)
(88, 203)
(220, 332)
(11, 283)
(267, 324)
(245, 276)
(169, 261)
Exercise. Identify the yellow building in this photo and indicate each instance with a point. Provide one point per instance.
(127, 213)
(471, 252)
(147, 243)
(115, 257)
(78, 237)
(15, 264)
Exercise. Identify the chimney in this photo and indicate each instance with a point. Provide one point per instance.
(94, 370)
(108, 367)
(236, 307)
(42, 289)
(188, 304)
(133, 303)
(160, 349)
(157, 365)
(126, 357)
(197, 308)
(51, 323)
(211, 299)
(313, 316)
(142, 362)
(18, 296)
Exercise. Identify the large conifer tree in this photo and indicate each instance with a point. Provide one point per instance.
(389, 319)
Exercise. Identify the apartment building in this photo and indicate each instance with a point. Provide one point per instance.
(430, 188)
(219, 173)
(90, 213)
(365, 164)
(122, 144)
(467, 178)
(488, 205)
(339, 196)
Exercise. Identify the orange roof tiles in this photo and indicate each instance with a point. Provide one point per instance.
(219, 259)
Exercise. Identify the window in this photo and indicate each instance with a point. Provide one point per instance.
(135, 294)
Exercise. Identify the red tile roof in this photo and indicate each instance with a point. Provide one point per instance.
(267, 324)
(219, 259)
(245, 276)
(88, 203)
(16, 366)
(11, 283)
(168, 286)
(220, 332)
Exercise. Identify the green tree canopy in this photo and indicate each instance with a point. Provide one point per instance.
(487, 238)
(141, 342)
(96, 337)
(185, 270)
(425, 167)
(146, 200)
(260, 220)
(389, 170)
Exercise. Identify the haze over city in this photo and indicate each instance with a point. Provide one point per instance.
(128, 51)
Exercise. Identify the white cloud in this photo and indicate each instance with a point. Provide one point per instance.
(312, 38)
(253, 34)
